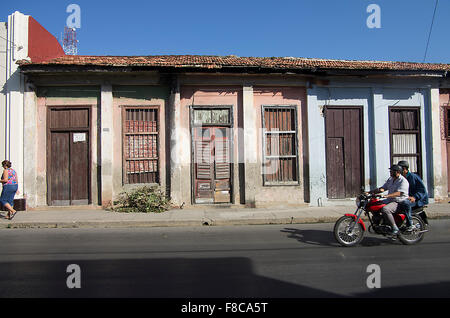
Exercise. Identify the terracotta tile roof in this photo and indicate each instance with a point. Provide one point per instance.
(222, 62)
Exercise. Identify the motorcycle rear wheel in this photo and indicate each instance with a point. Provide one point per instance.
(416, 235)
(342, 232)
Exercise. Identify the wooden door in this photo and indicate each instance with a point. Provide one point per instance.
(79, 168)
(60, 168)
(68, 157)
(343, 151)
(447, 137)
(448, 166)
(212, 167)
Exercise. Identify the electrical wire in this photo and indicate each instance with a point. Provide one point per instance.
(429, 33)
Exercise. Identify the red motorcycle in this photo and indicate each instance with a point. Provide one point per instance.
(349, 229)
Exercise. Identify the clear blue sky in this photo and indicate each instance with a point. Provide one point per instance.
(334, 29)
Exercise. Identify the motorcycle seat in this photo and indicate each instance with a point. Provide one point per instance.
(418, 209)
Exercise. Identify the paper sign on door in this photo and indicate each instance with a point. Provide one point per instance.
(79, 137)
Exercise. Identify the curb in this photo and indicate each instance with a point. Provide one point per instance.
(273, 220)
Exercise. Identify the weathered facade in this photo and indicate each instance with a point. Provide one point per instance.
(394, 122)
(444, 160)
(229, 130)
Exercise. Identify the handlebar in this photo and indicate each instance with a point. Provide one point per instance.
(368, 195)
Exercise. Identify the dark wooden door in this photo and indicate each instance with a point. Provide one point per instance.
(448, 166)
(68, 157)
(60, 168)
(447, 137)
(343, 151)
(212, 168)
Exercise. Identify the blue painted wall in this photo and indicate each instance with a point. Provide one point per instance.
(375, 100)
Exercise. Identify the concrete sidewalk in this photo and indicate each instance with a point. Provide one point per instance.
(92, 217)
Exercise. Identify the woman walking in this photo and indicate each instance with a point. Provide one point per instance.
(9, 181)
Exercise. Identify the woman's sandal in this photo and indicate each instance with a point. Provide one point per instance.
(11, 216)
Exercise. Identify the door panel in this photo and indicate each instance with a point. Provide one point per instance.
(335, 168)
(60, 169)
(448, 165)
(203, 171)
(79, 169)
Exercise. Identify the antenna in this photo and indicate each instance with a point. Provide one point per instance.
(70, 41)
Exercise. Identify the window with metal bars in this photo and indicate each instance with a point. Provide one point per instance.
(280, 158)
(404, 126)
(140, 145)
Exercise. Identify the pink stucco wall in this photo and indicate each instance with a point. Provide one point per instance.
(281, 96)
(231, 95)
(210, 96)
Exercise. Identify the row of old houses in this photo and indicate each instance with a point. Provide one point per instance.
(225, 129)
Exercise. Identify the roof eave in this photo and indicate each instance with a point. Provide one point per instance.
(58, 68)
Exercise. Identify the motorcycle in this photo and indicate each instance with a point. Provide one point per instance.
(349, 230)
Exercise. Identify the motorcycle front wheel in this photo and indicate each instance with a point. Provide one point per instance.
(343, 233)
(414, 237)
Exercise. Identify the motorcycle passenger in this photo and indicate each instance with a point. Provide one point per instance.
(417, 196)
(398, 189)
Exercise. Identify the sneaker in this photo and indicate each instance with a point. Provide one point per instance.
(410, 228)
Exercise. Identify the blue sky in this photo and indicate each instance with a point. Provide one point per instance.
(334, 29)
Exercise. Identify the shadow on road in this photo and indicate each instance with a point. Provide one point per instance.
(149, 278)
(171, 278)
(326, 238)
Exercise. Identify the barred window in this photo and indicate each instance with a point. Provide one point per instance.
(405, 137)
(140, 145)
(280, 161)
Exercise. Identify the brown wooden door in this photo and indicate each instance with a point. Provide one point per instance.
(212, 176)
(448, 166)
(447, 137)
(68, 154)
(344, 152)
(60, 168)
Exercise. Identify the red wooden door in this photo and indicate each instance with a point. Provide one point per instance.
(212, 176)
(344, 152)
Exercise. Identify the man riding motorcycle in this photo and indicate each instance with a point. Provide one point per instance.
(398, 189)
(417, 195)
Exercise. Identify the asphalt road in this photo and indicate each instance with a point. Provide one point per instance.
(289, 261)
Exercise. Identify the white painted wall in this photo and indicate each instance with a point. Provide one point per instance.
(3, 46)
(12, 94)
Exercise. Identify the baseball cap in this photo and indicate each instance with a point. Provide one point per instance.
(403, 163)
(396, 168)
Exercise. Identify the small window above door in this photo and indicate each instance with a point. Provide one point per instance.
(211, 116)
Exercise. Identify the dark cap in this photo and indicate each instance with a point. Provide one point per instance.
(396, 168)
(403, 164)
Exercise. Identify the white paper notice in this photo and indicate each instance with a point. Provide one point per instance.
(79, 137)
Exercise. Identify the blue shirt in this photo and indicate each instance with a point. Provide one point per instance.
(417, 189)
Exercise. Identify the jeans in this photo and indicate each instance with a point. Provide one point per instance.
(407, 206)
